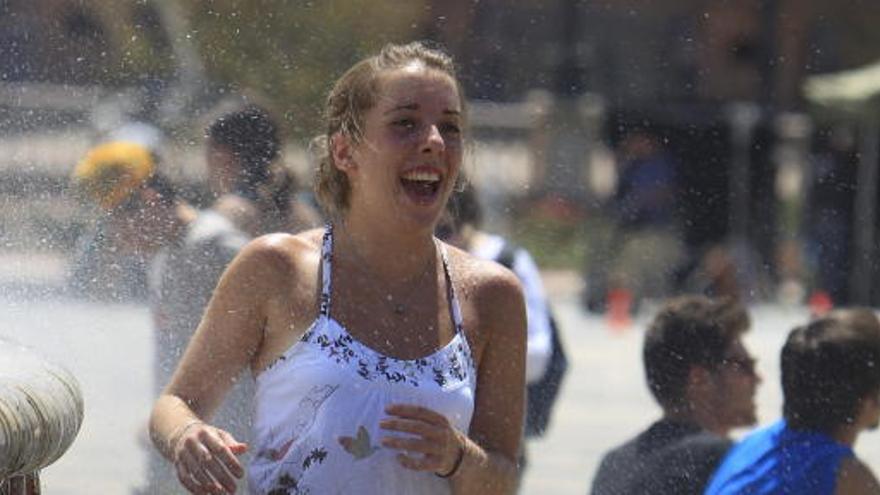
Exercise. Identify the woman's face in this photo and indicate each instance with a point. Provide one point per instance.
(406, 163)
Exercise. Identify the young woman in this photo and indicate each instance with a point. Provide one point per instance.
(385, 360)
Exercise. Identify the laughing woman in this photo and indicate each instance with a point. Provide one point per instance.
(385, 360)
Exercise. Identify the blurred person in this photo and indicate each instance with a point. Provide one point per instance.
(704, 379)
(187, 251)
(830, 211)
(252, 188)
(462, 227)
(546, 362)
(831, 391)
(97, 270)
(644, 248)
(386, 361)
(720, 269)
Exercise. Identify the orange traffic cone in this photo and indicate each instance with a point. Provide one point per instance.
(820, 303)
(617, 312)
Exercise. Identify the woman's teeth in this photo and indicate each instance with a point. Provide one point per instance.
(422, 176)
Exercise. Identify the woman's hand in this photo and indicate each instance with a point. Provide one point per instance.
(441, 446)
(205, 459)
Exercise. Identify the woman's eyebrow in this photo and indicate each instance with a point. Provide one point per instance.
(415, 106)
(406, 106)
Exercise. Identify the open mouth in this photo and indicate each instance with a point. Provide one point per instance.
(421, 186)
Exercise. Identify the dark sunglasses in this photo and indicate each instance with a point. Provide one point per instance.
(131, 204)
(745, 365)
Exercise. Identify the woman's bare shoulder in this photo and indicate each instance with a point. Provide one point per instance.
(280, 253)
(484, 279)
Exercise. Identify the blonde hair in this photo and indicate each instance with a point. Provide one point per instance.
(351, 97)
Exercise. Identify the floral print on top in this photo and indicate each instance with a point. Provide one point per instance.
(319, 405)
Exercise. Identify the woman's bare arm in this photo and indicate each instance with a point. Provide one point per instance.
(228, 337)
(491, 448)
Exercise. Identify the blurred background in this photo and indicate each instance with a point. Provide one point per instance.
(769, 163)
(638, 149)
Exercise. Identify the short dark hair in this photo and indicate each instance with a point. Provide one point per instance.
(828, 367)
(253, 137)
(689, 331)
(464, 206)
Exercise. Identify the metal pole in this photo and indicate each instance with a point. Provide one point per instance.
(768, 69)
(743, 117)
(567, 150)
(21, 485)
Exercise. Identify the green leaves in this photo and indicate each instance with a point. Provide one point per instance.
(291, 52)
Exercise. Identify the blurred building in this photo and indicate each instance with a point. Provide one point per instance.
(716, 80)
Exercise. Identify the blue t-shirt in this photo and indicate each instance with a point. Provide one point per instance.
(780, 460)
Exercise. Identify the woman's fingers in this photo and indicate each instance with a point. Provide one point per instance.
(206, 462)
(226, 451)
(186, 480)
(217, 471)
(411, 426)
(417, 412)
(435, 441)
(194, 477)
(412, 444)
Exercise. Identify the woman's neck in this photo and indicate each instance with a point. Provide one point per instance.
(388, 250)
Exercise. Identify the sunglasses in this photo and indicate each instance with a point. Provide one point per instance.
(744, 365)
(131, 204)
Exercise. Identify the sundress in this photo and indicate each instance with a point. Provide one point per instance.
(318, 407)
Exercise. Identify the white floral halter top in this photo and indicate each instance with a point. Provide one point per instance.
(318, 407)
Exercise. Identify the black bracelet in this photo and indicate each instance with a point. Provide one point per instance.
(454, 466)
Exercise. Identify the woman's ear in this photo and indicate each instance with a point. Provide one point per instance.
(342, 151)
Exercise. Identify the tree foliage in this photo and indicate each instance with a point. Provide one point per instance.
(290, 52)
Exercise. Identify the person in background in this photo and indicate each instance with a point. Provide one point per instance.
(461, 227)
(187, 250)
(831, 390)
(830, 210)
(386, 361)
(704, 379)
(644, 248)
(97, 270)
(251, 186)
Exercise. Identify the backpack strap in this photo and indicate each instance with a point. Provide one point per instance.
(507, 256)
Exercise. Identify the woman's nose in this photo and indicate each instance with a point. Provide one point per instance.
(434, 141)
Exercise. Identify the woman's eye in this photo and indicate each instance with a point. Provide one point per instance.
(404, 123)
(450, 129)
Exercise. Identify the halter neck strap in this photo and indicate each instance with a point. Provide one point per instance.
(326, 279)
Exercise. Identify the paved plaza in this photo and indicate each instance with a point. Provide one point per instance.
(604, 399)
